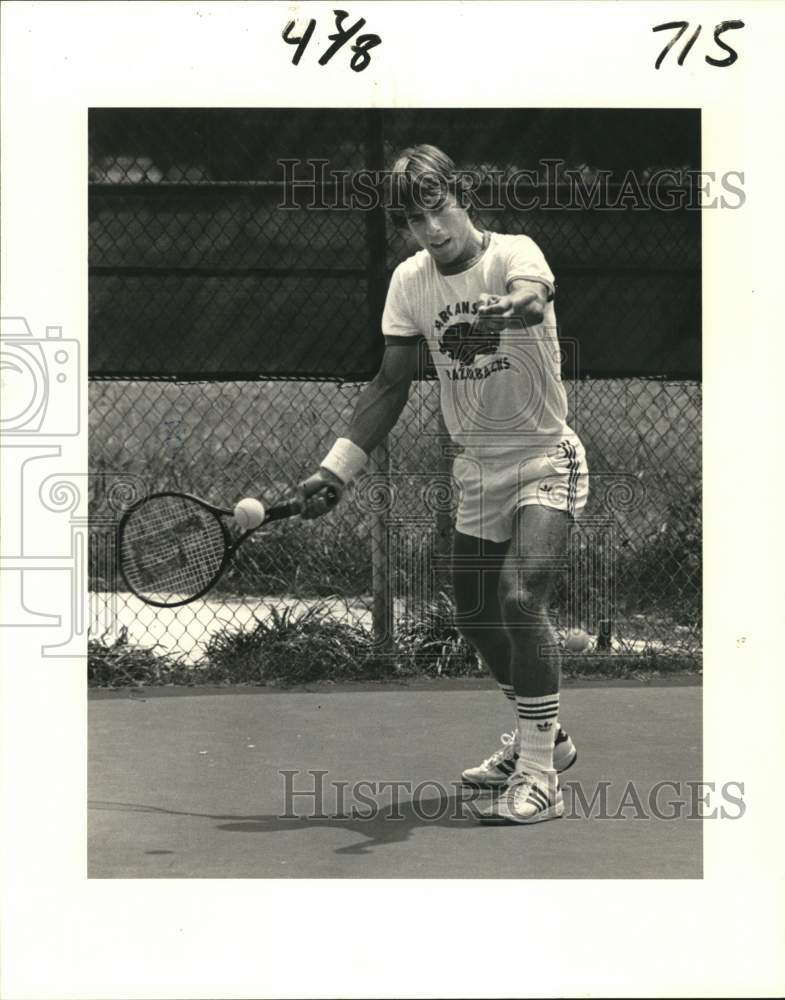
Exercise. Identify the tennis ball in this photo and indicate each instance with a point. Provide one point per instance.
(248, 514)
(576, 640)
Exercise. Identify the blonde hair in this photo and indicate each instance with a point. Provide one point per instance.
(422, 176)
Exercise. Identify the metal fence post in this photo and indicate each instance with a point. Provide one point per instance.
(376, 280)
(444, 518)
(381, 578)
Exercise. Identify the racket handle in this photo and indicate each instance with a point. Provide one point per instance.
(291, 508)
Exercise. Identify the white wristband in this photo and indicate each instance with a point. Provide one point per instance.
(345, 459)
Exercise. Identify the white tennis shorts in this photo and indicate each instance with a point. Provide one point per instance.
(491, 490)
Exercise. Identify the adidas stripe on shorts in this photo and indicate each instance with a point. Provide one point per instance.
(492, 489)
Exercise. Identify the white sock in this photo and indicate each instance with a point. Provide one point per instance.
(537, 726)
(509, 693)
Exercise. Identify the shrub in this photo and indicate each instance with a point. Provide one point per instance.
(124, 664)
(429, 642)
(295, 648)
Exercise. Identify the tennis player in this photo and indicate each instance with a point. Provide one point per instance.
(484, 302)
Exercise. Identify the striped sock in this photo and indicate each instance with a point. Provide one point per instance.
(509, 693)
(537, 726)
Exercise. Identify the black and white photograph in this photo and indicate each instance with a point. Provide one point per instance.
(458, 352)
(388, 520)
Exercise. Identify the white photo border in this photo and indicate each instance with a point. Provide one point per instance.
(65, 936)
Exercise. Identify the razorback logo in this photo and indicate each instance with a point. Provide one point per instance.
(463, 342)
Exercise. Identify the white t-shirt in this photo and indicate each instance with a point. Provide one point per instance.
(501, 392)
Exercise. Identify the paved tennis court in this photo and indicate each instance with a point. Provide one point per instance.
(185, 785)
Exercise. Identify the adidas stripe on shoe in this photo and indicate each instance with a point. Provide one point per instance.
(527, 799)
(495, 770)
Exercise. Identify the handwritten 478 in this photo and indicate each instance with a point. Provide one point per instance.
(360, 47)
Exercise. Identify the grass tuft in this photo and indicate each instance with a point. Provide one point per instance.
(120, 663)
(429, 643)
(290, 647)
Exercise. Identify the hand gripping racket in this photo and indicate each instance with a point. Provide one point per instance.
(175, 547)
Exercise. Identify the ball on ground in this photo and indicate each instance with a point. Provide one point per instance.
(576, 640)
(248, 514)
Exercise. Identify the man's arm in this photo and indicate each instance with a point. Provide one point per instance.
(376, 412)
(383, 399)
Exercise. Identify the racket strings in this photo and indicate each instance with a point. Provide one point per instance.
(171, 548)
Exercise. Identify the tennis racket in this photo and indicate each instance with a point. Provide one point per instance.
(174, 547)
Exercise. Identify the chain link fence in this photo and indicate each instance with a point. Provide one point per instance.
(229, 338)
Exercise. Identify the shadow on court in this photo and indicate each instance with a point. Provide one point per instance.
(362, 784)
(375, 828)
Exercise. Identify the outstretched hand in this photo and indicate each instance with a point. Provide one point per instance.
(494, 311)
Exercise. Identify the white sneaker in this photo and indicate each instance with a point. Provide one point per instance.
(527, 799)
(496, 769)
